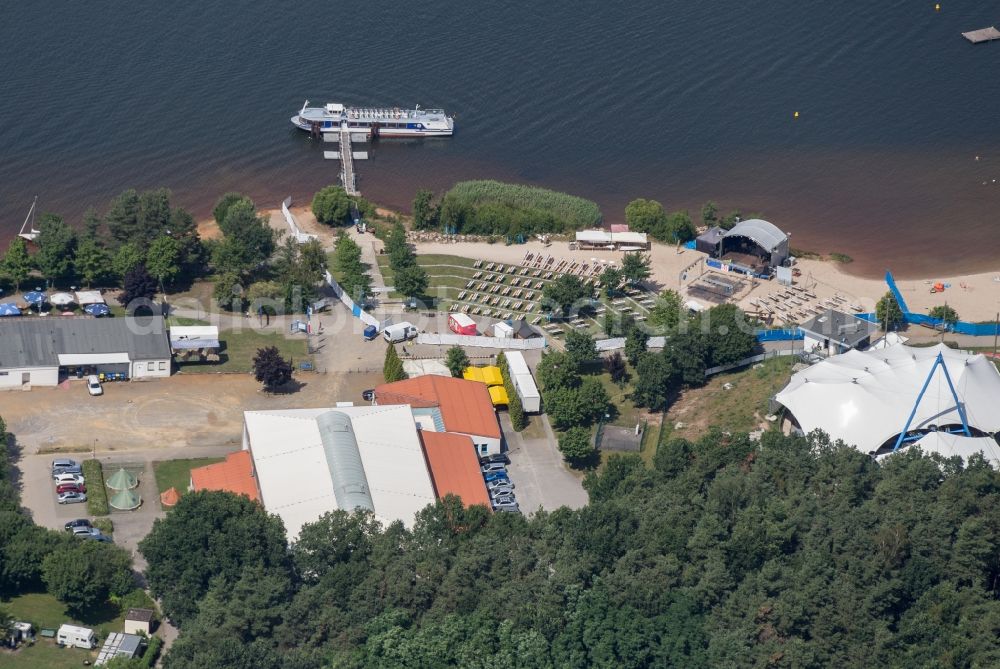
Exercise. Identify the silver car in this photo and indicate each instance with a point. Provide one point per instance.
(501, 491)
(72, 497)
(503, 499)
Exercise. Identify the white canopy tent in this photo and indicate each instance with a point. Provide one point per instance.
(865, 398)
(950, 445)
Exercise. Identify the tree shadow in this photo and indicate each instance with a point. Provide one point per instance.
(14, 456)
(289, 388)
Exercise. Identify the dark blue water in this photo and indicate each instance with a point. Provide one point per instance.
(678, 101)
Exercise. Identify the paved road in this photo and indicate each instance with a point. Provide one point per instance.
(541, 479)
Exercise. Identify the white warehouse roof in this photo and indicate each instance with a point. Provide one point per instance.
(865, 398)
(764, 233)
(303, 472)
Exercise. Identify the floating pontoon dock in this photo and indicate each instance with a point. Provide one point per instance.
(982, 35)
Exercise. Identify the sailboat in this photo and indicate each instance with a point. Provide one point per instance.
(31, 234)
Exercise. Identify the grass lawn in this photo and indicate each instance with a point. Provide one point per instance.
(45, 611)
(181, 321)
(45, 654)
(177, 473)
(739, 409)
(239, 349)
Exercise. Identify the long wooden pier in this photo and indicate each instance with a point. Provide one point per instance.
(982, 35)
(347, 161)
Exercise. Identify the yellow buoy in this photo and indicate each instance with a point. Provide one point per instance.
(796, 115)
(937, 7)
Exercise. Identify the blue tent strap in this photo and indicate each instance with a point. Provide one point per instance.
(938, 361)
(891, 282)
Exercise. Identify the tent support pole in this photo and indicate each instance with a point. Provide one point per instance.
(939, 360)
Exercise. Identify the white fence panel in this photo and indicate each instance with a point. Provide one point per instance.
(297, 233)
(365, 317)
(486, 342)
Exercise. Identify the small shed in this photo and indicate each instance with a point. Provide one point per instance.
(193, 337)
(170, 497)
(503, 330)
(709, 241)
(525, 330)
(139, 621)
(498, 395)
(461, 324)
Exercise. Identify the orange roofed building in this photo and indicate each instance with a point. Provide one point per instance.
(452, 405)
(235, 475)
(454, 467)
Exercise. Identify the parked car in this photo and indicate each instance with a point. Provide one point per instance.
(94, 385)
(493, 467)
(496, 476)
(504, 499)
(96, 535)
(84, 531)
(64, 463)
(72, 498)
(499, 483)
(499, 457)
(501, 491)
(507, 508)
(79, 522)
(368, 395)
(66, 470)
(69, 478)
(70, 487)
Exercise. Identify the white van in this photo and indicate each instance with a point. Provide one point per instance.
(399, 332)
(77, 637)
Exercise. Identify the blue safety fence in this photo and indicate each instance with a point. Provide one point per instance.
(788, 334)
(691, 245)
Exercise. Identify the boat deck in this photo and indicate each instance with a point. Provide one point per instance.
(982, 35)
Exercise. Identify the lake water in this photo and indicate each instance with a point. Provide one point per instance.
(677, 101)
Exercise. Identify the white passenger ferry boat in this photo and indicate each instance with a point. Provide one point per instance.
(382, 121)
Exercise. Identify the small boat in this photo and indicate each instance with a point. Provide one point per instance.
(381, 121)
(31, 234)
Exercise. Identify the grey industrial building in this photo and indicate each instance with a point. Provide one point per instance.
(42, 350)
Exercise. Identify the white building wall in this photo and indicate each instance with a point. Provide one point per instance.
(484, 445)
(11, 379)
(144, 369)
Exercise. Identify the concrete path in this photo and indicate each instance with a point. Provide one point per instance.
(540, 477)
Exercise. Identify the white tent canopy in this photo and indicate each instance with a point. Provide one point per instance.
(950, 445)
(865, 398)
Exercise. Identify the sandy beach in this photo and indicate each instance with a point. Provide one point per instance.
(976, 297)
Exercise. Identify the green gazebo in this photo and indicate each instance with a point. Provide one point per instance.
(125, 500)
(122, 480)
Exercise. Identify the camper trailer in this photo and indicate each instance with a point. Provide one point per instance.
(77, 637)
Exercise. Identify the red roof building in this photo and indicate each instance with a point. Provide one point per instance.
(465, 406)
(454, 467)
(235, 475)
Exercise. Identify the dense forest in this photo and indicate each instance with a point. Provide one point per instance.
(788, 552)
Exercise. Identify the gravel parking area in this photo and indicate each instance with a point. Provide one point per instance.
(540, 477)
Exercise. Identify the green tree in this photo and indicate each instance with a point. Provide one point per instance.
(351, 273)
(730, 336)
(332, 206)
(888, 313)
(229, 292)
(411, 281)
(210, 537)
(709, 213)
(655, 382)
(687, 353)
(945, 313)
(678, 228)
(636, 342)
(575, 444)
(558, 370)
(611, 278)
(456, 360)
(666, 312)
(84, 574)
(127, 257)
(425, 214)
(645, 216)
(163, 259)
(312, 258)
(248, 239)
(16, 264)
(56, 248)
(635, 267)
(515, 408)
(580, 347)
(221, 208)
(92, 261)
(392, 368)
(566, 292)
(137, 218)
